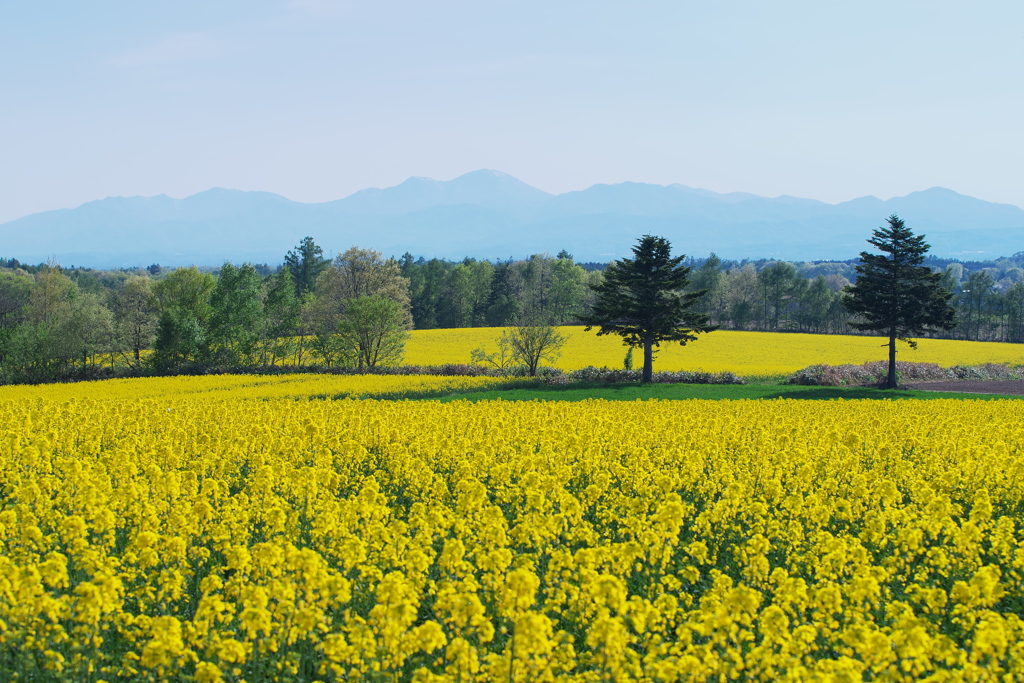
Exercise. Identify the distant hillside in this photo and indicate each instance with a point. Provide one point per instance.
(488, 214)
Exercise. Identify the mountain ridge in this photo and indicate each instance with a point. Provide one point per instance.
(491, 214)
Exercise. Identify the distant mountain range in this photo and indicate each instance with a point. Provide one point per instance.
(489, 214)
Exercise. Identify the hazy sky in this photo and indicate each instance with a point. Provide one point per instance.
(315, 99)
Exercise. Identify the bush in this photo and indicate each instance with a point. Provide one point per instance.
(988, 371)
(875, 372)
(592, 374)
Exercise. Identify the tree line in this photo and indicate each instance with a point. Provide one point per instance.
(186, 319)
(60, 323)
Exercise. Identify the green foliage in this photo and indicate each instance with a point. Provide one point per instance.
(778, 285)
(474, 293)
(56, 332)
(566, 292)
(332, 350)
(82, 329)
(373, 331)
(708, 278)
(644, 301)
(185, 289)
(1014, 308)
(524, 346)
(52, 290)
(237, 316)
(976, 303)
(306, 262)
(15, 293)
(894, 294)
(180, 339)
(281, 312)
(183, 301)
(134, 317)
(529, 343)
(26, 354)
(353, 275)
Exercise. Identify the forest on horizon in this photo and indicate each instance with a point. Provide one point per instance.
(59, 322)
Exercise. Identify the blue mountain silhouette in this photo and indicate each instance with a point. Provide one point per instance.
(489, 214)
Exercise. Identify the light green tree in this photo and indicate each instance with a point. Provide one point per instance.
(742, 287)
(134, 311)
(281, 312)
(524, 345)
(15, 292)
(373, 330)
(708, 278)
(567, 288)
(183, 299)
(236, 319)
(82, 330)
(352, 275)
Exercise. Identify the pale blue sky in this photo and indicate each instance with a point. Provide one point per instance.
(315, 99)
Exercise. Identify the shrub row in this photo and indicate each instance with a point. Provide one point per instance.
(876, 371)
(592, 374)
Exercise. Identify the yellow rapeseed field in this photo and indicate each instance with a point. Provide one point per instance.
(298, 385)
(216, 537)
(744, 353)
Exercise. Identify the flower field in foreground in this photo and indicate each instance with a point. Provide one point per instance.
(213, 538)
(744, 353)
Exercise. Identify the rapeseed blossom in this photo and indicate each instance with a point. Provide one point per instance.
(742, 353)
(208, 536)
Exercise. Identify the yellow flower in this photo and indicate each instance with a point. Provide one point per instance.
(207, 672)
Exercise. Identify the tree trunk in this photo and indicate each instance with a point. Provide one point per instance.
(890, 382)
(648, 361)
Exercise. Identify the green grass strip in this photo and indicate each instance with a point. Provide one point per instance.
(677, 392)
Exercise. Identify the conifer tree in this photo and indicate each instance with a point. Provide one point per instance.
(642, 300)
(306, 262)
(894, 294)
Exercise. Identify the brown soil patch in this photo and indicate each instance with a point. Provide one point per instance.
(1014, 387)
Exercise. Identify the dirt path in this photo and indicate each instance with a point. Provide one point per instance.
(1008, 387)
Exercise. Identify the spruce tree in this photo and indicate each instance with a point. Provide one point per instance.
(306, 262)
(894, 294)
(642, 300)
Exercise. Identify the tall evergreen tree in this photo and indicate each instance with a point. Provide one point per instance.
(642, 300)
(894, 294)
(306, 263)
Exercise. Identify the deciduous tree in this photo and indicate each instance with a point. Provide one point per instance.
(524, 345)
(183, 299)
(374, 329)
(531, 342)
(237, 315)
(352, 275)
(135, 316)
(281, 311)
